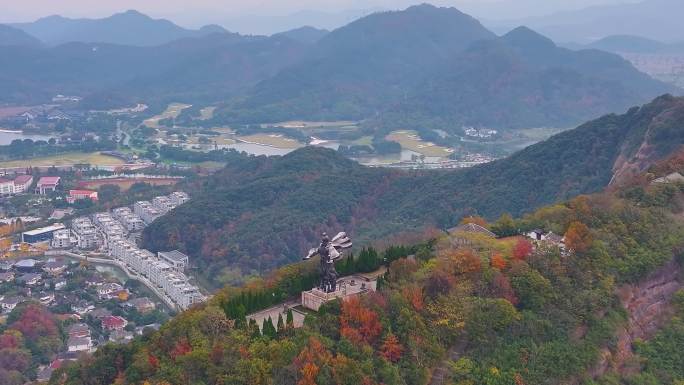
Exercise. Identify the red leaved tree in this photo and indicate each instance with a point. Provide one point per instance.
(391, 349)
(578, 237)
(522, 249)
(358, 323)
(498, 261)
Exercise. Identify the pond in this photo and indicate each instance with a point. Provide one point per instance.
(7, 136)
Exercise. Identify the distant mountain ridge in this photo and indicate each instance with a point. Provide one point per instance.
(653, 19)
(439, 65)
(636, 44)
(422, 68)
(203, 69)
(524, 80)
(306, 34)
(126, 28)
(10, 36)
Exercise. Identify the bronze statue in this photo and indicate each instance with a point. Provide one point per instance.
(329, 251)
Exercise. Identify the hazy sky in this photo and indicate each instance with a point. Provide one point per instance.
(193, 13)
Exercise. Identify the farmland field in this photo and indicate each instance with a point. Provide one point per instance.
(273, 140)
(410, 140)
(92, 158)
(172, 111)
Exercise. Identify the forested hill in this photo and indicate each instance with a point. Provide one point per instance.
(502, 312)
(260, 213)
(437, 67)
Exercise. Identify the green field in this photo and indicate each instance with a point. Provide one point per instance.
(410, 140)
(172, 111)
(92, 158)
(273, 140)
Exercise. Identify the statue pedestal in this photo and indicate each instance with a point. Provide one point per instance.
(315, 298)
(346, 287)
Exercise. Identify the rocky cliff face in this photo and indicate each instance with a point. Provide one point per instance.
(648, 308)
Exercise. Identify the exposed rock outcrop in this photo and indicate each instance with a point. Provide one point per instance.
(648, 308)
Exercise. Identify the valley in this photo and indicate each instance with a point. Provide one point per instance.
(414, 196)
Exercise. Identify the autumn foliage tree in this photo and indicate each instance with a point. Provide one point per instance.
(310, 360)
(391, 349)
(358, 323)
(498, 261)
(578, 237)
(522, 249)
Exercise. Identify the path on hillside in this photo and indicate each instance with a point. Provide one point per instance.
(440, 373)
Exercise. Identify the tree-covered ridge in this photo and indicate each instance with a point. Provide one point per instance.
(260, 213)
(504, 312)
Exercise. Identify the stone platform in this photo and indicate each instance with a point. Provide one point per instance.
(346, 287)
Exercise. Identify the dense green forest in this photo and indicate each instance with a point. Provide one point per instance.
(259, 213)
(495, 312)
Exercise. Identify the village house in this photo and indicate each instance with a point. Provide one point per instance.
(29, 279)
(100, 313)
(80, 330)
(55, 267)
(111, 323)
(460, 234)
(109, 289)
(26, 264)
(82, 307)
(22, 184)
(60, 284)
(6, 187)
(8, 304)
(77, 195)
(46, 298)
(120, 336)
(7, 276)
(79, 344)
(47, 184)
(141, 305)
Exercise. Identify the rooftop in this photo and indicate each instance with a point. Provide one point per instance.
(23, 178)
(42, 230)
(174, 255)
(48, 180)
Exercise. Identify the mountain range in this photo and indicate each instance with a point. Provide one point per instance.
(653, 19)
(10, 36)
(635, 44)
(127, 28)
(446, 69)
(424, 67)
(259, 213)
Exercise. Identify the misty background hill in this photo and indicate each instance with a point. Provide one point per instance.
(424, 67)
(127, 28)
(653, 19)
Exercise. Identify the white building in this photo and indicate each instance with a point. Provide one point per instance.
(146, 211)
(22, 183)
(62, 239)
(175, 258)
(86, 233)
(163, 204)
(79, 344)
(6, 186)
(178, 198)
